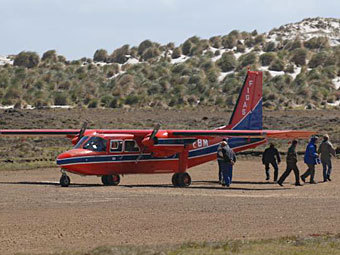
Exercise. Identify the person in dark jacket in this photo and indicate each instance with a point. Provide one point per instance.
(311, 159)
(271, 156)
(291, 165)
(226, 159)
(326, 151)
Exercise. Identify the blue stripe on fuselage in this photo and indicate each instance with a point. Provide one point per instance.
(233, 143)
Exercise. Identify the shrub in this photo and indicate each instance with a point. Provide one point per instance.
(296, 44)
(27, 59)
(267, 58)
(249, 42)
(227, 62)
(240, 48)
(177, 52)
(93, 103)
(186, 47)
(269, 46)
(119, 55)
(248, 59)
(299, 57)
(170, 46)
(100, 55)
(49, 55)
(143, 46)
(318, 59)
(229, 41)
(216, 41)
(60, 99)
(277, 65)
(152, 52)
(317, 43)
(259, 39)
(290, 68)
(131, 99)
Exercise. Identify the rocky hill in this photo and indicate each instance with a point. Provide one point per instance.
(300, 61)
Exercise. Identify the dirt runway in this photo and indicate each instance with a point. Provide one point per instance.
(38, 216)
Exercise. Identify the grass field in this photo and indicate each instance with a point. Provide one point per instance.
(313, 245)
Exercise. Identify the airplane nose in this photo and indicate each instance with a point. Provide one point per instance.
(64, 155)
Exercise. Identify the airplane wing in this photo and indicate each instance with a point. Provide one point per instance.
(279, 134)
(39, 132)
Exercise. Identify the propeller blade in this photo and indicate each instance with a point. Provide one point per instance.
(152, 137)
(155, 131)
(82, 131)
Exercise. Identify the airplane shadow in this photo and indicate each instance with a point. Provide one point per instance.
(238, 182)
(167, 186)
(72, 185)
(202, 187)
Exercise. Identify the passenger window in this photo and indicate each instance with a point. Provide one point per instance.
(116, 146)
(131, 146)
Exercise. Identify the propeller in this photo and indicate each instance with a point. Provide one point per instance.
(155, 131)
(152, 137)
(82, 131)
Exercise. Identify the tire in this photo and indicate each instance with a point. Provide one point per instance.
(184, 180)
(174, 179)
(111, 180)
(115, 179)
(104, 180)
(65, 181)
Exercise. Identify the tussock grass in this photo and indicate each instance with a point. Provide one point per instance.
(313, 245)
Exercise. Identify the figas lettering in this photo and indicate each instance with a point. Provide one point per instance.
(247, 98)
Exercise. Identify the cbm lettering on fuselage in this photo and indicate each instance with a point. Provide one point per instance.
(201, 143)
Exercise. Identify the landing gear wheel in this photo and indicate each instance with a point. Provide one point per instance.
(174, 179)
(181, 180)
(65, 181)
(111, 180)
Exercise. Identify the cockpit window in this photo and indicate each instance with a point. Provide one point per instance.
(80, 142)
(95, 144)
(116, 146)
(131, 146)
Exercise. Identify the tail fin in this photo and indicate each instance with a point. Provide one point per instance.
(247, 113)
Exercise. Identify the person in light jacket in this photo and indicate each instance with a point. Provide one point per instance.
(226, 159)
(326, 151)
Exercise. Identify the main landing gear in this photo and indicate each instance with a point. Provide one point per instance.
(64, 179)
(111, 180)
(181, 180)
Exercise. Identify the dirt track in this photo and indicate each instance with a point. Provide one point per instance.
(36, 215)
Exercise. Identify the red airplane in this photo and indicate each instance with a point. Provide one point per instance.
(111, 153)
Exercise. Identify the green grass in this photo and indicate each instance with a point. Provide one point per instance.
(28, 165)
(313, 245)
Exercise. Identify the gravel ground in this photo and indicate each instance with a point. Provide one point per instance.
(38, 216)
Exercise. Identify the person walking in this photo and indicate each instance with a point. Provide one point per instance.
(226, 159)
(311, 158)
(291, 165)
(326, 151)
(271, 156)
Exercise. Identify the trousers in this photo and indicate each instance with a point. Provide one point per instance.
(309, 172)
(276, 170)
(226, 172)
(290, 167)
(327, 169)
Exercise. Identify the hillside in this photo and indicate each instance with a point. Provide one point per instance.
(301, 64)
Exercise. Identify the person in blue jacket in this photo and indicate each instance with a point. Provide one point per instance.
(311, 159)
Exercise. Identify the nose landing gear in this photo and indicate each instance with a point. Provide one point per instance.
(64, 179)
